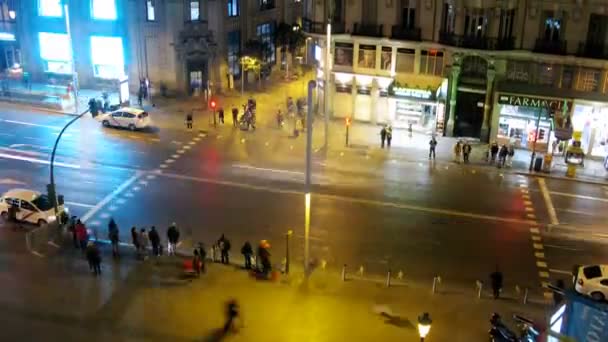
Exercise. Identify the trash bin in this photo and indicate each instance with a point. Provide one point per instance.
(547, 163)
(571, 171)
(538, 163)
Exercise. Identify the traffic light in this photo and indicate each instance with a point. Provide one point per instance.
(347, 122)
(213, 104)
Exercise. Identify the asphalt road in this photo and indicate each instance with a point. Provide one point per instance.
(368, 209)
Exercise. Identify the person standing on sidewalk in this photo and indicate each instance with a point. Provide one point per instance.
(12, 215)
(154, 240)
(382, 136)
(496, 280)
(457, 151)
(224, 245)
(81, 235)
(135, 239)
(493, 152)
(235, 116)
(189, 120)
(502, 156)
(432, 146)
(113, 237)
(172, 238)
(94, 258)
(247, 252)
(72, 229)
(389, 135)
(466, 151)
(203, 255)
(220, 115)
(510, 155)
(143, 243)
(196, 263)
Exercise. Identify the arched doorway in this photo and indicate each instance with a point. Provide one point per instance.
(471, 97)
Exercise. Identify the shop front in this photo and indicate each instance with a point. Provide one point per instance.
(527, 122)
(591, 119)
(422, 110)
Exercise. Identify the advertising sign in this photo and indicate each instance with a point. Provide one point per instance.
(534, 102)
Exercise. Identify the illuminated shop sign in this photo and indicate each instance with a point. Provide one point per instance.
(7, 37)
(534, 102)
(416, 93)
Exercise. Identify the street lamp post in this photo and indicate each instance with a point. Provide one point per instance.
(287, 236)
(311, 86)
(540, 111)
(327, 76)
(424, 325)
(73, 62)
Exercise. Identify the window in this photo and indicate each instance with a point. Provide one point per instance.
(552, 27)
(266, 4)
(448, 18)
(518, 71)
(604, 282)
(103, 9)
(547, 74)
(7, 11)
(475, 23)
(505, 28)
(55, 52)
(195, 12)
(567, 77)
(50, 8)
(592, 272)
(117, 115)
(408, 14)
(234, 50)
(588, 79)
(265, 33)
(150, 11)
(233, 8)
(405, 60)
(431, 62)
(27, 206)
(107, 65)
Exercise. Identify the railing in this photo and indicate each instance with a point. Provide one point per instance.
(474, 42)
(268, 5)
(369, 30)
(556, 47)
(318, 27)
(404, 33)
(592, 50)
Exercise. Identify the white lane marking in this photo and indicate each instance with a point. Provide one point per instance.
(579, 212)
(163, 166)
(38, 254)
(104, 215)
(38, 161)
(121, 201)
(243, 166)
(76, 204)
(552, 270)
(202, 135)
(180, 151)
(95, 223)
(539, 255)
(10, 181)
(33, 124)
(154, 139)
(136, 188)
(169, 161)
(187, 147)
(112, 208)
(175, 156)
(150, 176)
(543, 274)
(142, 182)
(562, 247)
(579, 196)
(538, 246)
(534, 231)
(541, 264)
(196, 139)
(110, 197)
(129, 194)
(447, 212)
(176, 142)
(601, 236)
(14, 146)
(548, 203)
(192, 143)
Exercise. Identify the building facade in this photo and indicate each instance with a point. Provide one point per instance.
(506, 70)
(9, 45)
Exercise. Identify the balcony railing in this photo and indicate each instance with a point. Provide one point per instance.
(404, 33)
(556, 47)
(318, 27)
(268, 5)
(369, 30)
(474, 42)
(592, 50)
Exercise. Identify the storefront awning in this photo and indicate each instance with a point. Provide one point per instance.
(422, 82)
(547, 91)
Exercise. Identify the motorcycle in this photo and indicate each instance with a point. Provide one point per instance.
(499, 332)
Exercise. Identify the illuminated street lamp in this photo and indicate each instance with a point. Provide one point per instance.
(424, 325)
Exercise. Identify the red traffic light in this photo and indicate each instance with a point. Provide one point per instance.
(347, 122)
(212, 104)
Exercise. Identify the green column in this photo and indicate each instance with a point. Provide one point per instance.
(485, 124)
(454, 76)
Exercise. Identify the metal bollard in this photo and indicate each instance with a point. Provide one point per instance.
(344, 272)
(436, 281)
(526, 295)
(479, 284)
(388, 279)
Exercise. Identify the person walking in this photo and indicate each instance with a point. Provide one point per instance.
(189, 120)
(389, 135)
(502, 155)
(143, 243)
(96, 259)
(113, 237)
(81, 235)
(72, 229)
(247, 252)
(232, 313)
(432, 146)
(89, 253)
(496, 281)
(140, 97)
(457, 151)
(493, 152)
(466, 151)
(235, 116)
(154, 241)
(220, 115)
(510, 155)
(224, 245)
(382, 136)
(172, 238)
(135, 239)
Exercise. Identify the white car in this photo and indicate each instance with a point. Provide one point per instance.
(592, 280)
(127, 117)
(33, 207)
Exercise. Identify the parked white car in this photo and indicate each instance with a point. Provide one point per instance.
(592, 281)
(33, 207)
(126, 117)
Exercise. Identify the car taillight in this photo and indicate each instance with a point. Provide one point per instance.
(581, 282)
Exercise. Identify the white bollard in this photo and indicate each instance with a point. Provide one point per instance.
(361, 269)
(436, 281)
(526, 295)
(323, 264)
(400, 275)
(388, 279)
(479, 288)
(344, 272)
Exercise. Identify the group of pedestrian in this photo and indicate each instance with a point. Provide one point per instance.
(386, 135)
(80, 239)
(144, 239)
(462, 151)
(504, 153)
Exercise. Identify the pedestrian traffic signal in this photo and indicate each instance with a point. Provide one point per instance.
(347, 121)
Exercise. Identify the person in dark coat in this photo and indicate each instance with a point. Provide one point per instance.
(13, 209)
(496, 281)
(94, 258)
(189, 120)
(493, 152)
(247, 252)
(224, 245)
(202, 255)
(502, 155)
(466, 151)
(113, 236)
(232, 313)
(196, 263)
(235, 116)
(389, 135)
(135, 239)
(220, 115)
(154, 241)
(72, 229)
(432, 146)
(172, 238)
(558, 297)
(382, 136)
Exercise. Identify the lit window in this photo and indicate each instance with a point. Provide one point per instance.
(195, 13)
(107, 57)
(150, 15)
(233, 8)
(55, 52)
(104, 9)
(50, 8)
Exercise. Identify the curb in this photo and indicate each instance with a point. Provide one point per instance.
(564, 178)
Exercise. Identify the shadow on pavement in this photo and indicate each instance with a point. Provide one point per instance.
(397, 321)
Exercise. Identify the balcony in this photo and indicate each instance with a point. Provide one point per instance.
(369, 30)
(317, 27)
(266, 5)
(555, 47)
(403, 33)
(474, 42)
(592, 50)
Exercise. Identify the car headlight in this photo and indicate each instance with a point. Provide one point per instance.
(67, 210)
(52, 218)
